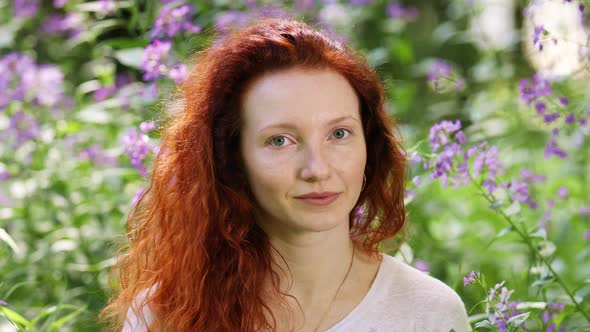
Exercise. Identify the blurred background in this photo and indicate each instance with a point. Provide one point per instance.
(492, 98)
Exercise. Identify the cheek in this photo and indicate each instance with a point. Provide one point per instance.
(268, 176)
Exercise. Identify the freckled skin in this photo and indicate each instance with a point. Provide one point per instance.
(311, 155)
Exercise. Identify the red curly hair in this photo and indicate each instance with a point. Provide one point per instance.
(193, 233)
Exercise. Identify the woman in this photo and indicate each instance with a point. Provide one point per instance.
(275, 185)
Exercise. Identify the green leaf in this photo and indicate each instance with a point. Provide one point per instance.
(499, 235)
(513, 209)
(542, 283)
(60, 322)
(485, 324)
(518, 320)
(49, 311)
(402, 51)
(6, 238)
(539, 233)
(125, 43)
(94, 113)
(130, 57)
(15, 317)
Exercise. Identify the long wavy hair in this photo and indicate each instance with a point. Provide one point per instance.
(193, 233)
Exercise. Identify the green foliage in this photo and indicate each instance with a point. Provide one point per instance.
(67, 182)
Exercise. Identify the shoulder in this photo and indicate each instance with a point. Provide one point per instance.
(431, 302)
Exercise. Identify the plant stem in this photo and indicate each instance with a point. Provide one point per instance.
(529, 243)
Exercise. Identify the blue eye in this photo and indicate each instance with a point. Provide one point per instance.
(277, 141)
(340, 133)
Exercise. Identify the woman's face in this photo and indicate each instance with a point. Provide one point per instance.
(302, 134)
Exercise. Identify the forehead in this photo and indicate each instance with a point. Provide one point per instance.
(298, 95)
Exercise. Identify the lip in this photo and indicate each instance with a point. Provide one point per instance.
(319, 199)
(318, 195)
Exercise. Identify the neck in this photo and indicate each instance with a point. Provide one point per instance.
(317, 264)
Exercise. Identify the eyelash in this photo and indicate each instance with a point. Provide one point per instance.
(269, 141)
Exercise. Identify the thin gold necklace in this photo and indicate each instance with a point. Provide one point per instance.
(338, 291)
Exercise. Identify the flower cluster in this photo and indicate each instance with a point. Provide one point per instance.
(533, 89)
(157, 60)
(137, 147)
(442, 77)
(97, 155)
(71, 24)
(174, 20)
(22, 127)
(499, 309)
(25, 8)
(21, 79)
(157, 63)
(548, 316)
(471, 278)
(536, 91)
(458, 163)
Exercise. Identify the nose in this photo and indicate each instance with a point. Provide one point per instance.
(315, 165)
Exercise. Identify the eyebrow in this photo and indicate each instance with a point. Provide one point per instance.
(288, 125)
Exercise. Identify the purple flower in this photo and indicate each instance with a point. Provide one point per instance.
(562, 192)
(154, 60)
(397, 11)
(563, 101)
(587, 234)
(104, 92)
(13, 67)
(549, 118)
(137, 147)
(552, 149)
(304, 5)
(490, 185)
(417, 180)
(97, 155)
(147, 126)
(570, 118)
(422, 265)
(540, 107)
(529, 176)
(585, 210)
(440, 133)
(536, 33)
(21, 128)
(360, 2)
(25, 8)
(444, 162)
(534, 88)
(439, 70)
(108, 7)
(520, 190)
(3, 303)
(71, 23)
(172, 21)
(4, 175)
(178, 73)
(488, 159)
(231, 18)
(415, 157)
(471, 278)
(59, 3)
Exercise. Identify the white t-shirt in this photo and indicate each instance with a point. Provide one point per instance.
(401, 298)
